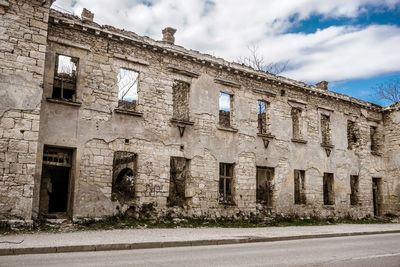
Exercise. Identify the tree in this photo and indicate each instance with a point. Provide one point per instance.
(389, 90)
(257, 62)
(127, 85)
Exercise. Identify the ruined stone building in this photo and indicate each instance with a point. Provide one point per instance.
(97, 121)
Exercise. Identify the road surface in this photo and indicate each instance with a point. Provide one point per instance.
(369, 250)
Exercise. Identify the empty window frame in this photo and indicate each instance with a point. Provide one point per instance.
(296, 127)
(124, 176)
(354, 190)
(180, 99)
(325, 129)
(299, 187)
(225, 107)
(127, 88)
(374, 139)
(352, 137)
(329, 197)
(264, 186)
(65, 78)
(179, 172)
(263, 118)
(225, 183)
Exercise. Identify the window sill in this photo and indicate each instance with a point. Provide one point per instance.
(267, 135)
(233, 130)
(182, 121)
(64, 102)
(375, 153)
(128, 112)
(227, 203)
(300, 141)
(327, 145)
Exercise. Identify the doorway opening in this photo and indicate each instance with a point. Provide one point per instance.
(56, 182)
(377, 196)
(265, 186)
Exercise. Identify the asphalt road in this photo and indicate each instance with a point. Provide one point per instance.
(370, 250)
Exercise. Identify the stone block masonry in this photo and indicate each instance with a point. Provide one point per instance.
(163, 153)
(23, 40)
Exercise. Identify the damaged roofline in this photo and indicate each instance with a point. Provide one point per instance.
(176, 50)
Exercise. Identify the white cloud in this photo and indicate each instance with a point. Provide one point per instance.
(226, 27)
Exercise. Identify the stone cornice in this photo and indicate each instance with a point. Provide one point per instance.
(205, 59)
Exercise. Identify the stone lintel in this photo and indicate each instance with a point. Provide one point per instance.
(264, 91)
(183, 72)
(325, 109)
(373, 119)
(68, 43)
(297, 103)
(132, 59)
(226, 82)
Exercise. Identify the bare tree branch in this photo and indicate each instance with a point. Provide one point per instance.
(126, 81)
(257, 62)
(389, 90)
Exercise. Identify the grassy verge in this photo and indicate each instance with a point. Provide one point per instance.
(115, 222)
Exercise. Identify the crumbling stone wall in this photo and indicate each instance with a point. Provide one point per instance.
(23, 39)
(96, 128)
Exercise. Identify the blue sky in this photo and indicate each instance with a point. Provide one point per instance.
(352, 44)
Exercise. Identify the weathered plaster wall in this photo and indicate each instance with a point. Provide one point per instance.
(23, 39)
(96, 131)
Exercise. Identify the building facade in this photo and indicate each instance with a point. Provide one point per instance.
(97, 121)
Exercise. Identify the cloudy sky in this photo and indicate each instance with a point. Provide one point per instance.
(353, 44)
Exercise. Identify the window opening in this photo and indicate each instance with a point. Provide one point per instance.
(225, 109)
(127, 89)
(328, 189)
(225, 183)
(65, 77)
(180, 97)
(299, 187)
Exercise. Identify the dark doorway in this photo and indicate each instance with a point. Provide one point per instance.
(58, 195)
(377, 196)
(55, 182)
(179, 172)
(264, 186)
